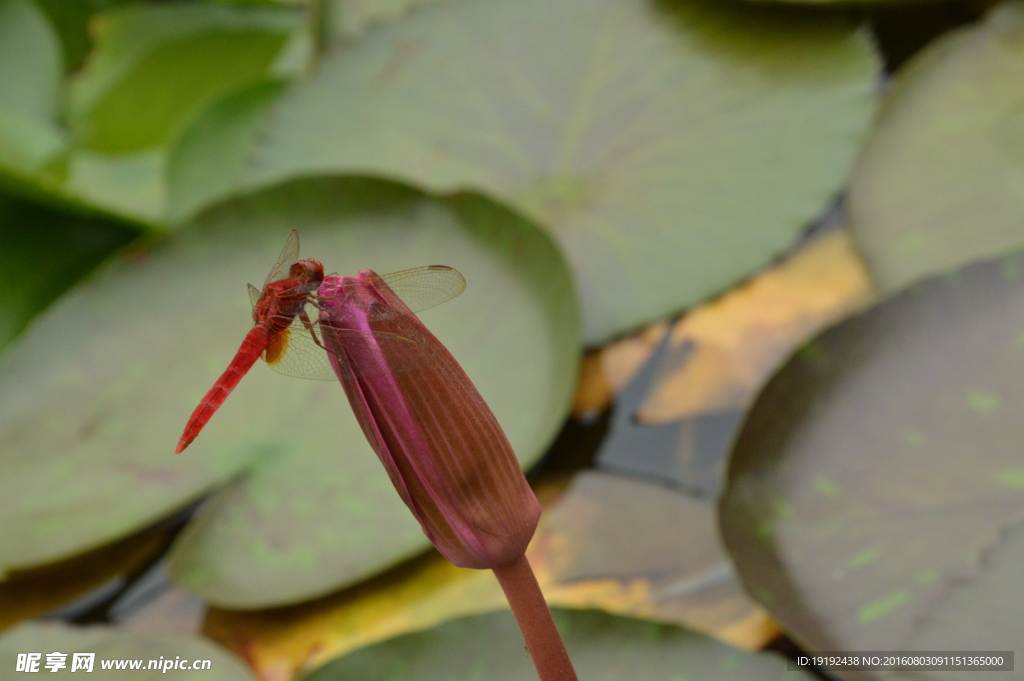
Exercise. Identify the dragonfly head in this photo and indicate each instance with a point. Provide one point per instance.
(307, 271)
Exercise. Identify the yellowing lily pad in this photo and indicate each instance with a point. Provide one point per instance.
(736, 340)
(677, 418)
(739, 339)
(31, 593)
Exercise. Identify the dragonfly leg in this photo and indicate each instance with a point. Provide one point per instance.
(309, 327)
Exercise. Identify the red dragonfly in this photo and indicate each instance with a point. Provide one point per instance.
(286, 333)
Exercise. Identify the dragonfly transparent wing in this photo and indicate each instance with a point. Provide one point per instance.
(303, 355)
(422, 288)
(289, 254)
(254, 294)
(368, 353)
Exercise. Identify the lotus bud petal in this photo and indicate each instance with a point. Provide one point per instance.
(436, 437)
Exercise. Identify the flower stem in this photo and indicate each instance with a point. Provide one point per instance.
(534, 619)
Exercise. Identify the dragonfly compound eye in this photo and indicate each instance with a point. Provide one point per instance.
(307, 269)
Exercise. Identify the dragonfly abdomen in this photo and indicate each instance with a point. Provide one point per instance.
(252, 347)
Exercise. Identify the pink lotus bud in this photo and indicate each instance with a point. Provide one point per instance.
(439, 442)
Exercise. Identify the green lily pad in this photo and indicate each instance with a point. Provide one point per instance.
(30, 61)
(156, 65)
(95, 395)
(210, 159)
(44, 252)
(31, 74)
(602, 648)
(115, 646)
(153, 69)
(670, 151)
(940, 181)
(982, 613)
(881, 465)
(69, 20)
